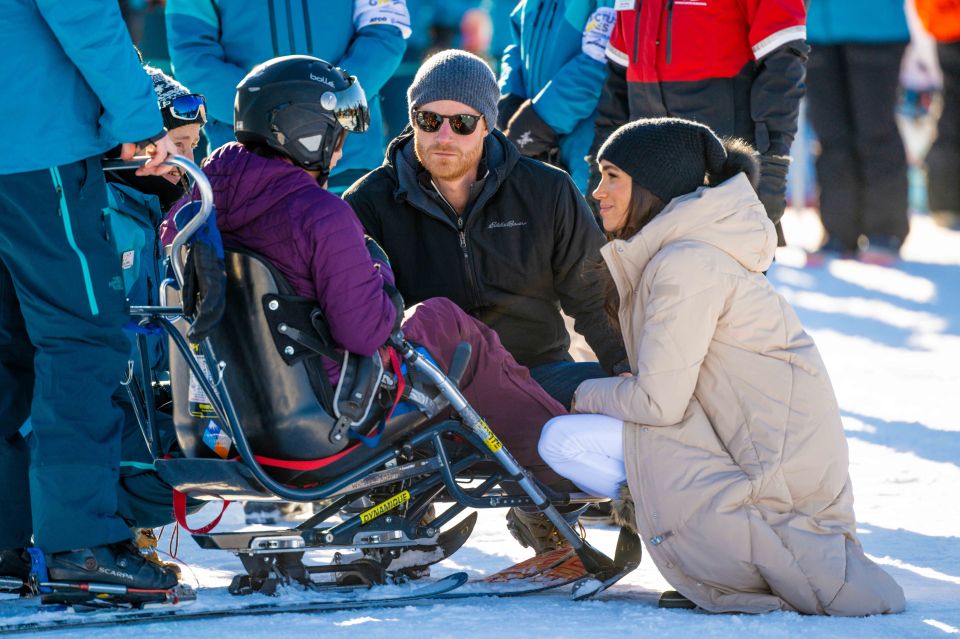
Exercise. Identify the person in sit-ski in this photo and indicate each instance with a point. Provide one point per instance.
(726, 431)
(292, 115)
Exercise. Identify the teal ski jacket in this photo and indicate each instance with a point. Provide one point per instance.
(72, 84)
(856, 21)
(556, 59)
(215, 43)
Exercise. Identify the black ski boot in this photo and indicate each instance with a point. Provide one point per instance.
(120, 563)
(14, 562)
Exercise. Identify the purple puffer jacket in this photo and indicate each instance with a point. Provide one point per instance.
(310, 235)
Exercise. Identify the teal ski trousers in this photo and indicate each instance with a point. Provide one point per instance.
(62, 355)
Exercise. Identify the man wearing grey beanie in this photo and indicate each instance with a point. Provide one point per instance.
(509, 239)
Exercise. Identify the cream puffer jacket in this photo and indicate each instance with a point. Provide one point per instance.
(735, 452)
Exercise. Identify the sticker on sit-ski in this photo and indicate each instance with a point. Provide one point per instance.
(490, 440)
(369, 515)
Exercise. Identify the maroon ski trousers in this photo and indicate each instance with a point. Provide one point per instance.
(514, 406)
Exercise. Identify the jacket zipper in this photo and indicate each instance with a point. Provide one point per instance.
(553, 13)
(536, 19)
(471, 279)
(669, 31)
(636, 34)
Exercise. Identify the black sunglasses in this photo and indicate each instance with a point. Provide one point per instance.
(430, 122)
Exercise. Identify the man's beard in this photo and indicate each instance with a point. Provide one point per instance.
(448, 168)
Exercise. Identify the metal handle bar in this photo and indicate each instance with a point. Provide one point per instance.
(206, 201)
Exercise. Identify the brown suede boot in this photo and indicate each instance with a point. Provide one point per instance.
(146, 541)
(533, 530)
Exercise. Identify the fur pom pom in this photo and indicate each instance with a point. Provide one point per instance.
(741, 158)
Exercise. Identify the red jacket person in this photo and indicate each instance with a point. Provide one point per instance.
(735, 65)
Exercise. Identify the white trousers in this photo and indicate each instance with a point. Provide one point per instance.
(587, 450)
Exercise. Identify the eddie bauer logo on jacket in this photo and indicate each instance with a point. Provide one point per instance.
(509, 224)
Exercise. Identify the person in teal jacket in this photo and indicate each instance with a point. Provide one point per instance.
(550, 79)
(73, 88)
(853, 77)
(214, 44)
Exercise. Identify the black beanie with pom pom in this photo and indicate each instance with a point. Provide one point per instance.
(671, 157)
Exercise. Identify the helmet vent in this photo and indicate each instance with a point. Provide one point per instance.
(312, 143)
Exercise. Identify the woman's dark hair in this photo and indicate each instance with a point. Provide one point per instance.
(643, 207)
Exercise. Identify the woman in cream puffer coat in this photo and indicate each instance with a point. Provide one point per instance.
(726, 431)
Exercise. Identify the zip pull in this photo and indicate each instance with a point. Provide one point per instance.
(463, 243)
(656, 540)
(59, 190)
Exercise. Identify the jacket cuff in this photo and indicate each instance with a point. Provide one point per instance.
(153, 138)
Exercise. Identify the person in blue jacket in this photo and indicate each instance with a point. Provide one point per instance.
(213, 45)
(551, 77)
(73, 88)
(136, 207)
(852, 81)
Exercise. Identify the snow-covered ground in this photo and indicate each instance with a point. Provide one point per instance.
(891, 340)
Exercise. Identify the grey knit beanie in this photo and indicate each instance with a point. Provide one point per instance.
(667, 156)
(456, 75)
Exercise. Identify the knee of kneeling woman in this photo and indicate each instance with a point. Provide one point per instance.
(552, 447)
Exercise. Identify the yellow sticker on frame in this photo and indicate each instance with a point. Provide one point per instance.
(369, 515)
(491, 440)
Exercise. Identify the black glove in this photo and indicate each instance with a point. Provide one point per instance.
(772, 189)
(376, 251)
(530, 133)
(623, 366)
(506, 107)
(204, 289)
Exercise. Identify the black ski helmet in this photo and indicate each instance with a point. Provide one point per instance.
(300, 106)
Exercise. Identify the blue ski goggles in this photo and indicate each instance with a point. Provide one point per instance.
(186, 108)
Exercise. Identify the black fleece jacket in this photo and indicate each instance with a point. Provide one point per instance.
(526, 247)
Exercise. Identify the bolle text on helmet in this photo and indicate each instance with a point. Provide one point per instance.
(321, 80)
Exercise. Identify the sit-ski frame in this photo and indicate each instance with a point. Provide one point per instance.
(374, 528)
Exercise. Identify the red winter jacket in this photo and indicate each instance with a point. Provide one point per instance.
(735, 65)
